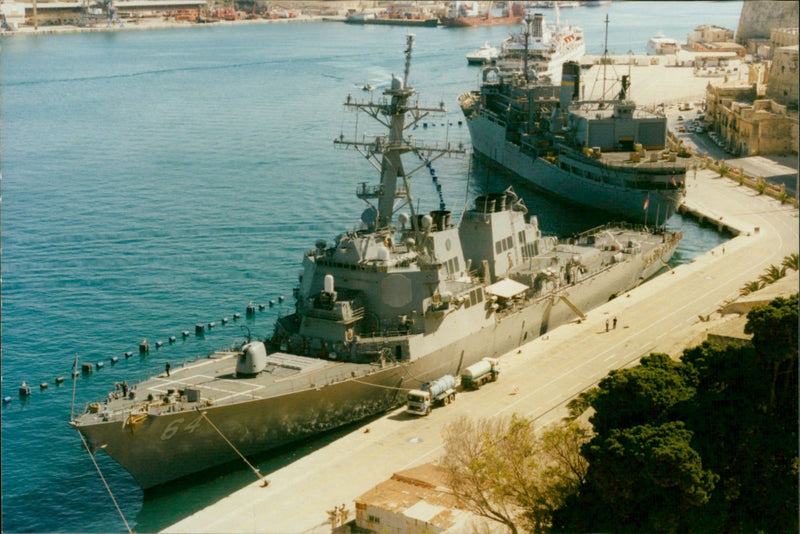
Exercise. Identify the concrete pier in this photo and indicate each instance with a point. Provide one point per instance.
(666, 314)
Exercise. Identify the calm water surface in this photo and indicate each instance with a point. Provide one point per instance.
(154, 180)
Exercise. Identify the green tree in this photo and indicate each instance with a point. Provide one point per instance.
(774, 329)
(772, 275)
(792, 261)
(650, 475)
(750, 287)
(642, 394)
(707, 444)
(744, 416)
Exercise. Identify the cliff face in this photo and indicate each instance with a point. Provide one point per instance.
(759, 16)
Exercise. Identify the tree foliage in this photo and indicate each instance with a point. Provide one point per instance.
(792, 261)
(750, 287)
(707, 444)
(503, 470)
(649, 476)
(642, 394)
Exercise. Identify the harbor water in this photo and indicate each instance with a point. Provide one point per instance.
(153, 181)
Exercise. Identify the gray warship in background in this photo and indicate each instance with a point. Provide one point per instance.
(605, 154)
(407, 299)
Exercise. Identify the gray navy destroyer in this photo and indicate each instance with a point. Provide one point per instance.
(605, 154)
(404, 300)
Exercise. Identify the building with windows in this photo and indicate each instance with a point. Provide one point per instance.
(711, 38)
(780, 37)
(415, 501)
(750, 125)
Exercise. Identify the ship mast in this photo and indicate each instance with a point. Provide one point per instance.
(384, 153)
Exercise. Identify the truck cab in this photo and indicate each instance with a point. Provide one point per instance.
(441, 391)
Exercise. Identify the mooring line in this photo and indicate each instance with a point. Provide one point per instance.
(86, 445)
(379, 385)
(256, 471)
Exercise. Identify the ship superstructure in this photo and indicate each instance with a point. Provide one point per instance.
(405, 299)
(541, 49)
(607, 154)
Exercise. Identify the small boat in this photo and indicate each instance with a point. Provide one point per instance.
(660, 44)
(24, 390)
(482, 55)
(367, 87)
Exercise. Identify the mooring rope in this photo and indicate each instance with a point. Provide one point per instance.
(256, 471)
(379, 385)
(105, 483)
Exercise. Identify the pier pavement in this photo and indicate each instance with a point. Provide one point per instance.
(537, 380)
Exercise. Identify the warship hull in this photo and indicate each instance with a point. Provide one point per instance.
(647, 206)
(170, 445)
(402, 301)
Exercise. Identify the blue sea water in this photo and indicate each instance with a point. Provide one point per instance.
(155, 180)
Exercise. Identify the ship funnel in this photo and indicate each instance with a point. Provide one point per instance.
(499, 201)
(328, 283)
(570, 83)
(484, 204)
(441, 220)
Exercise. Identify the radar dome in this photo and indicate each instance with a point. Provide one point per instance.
(397, 83)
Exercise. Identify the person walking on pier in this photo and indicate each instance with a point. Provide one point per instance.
(615, 323)
(167, 368)
(606, 325)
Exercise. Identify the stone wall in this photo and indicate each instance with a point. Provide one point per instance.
(783, 85)
(758, 17)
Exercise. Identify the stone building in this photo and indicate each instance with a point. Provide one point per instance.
(782, 85)
(415, 501)
(711, 38)
(709, 33)
(748, 124)
(780, 37)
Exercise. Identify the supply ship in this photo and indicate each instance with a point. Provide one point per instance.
(405, 299)
(606, 154)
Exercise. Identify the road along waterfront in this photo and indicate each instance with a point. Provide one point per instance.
(538, 379)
